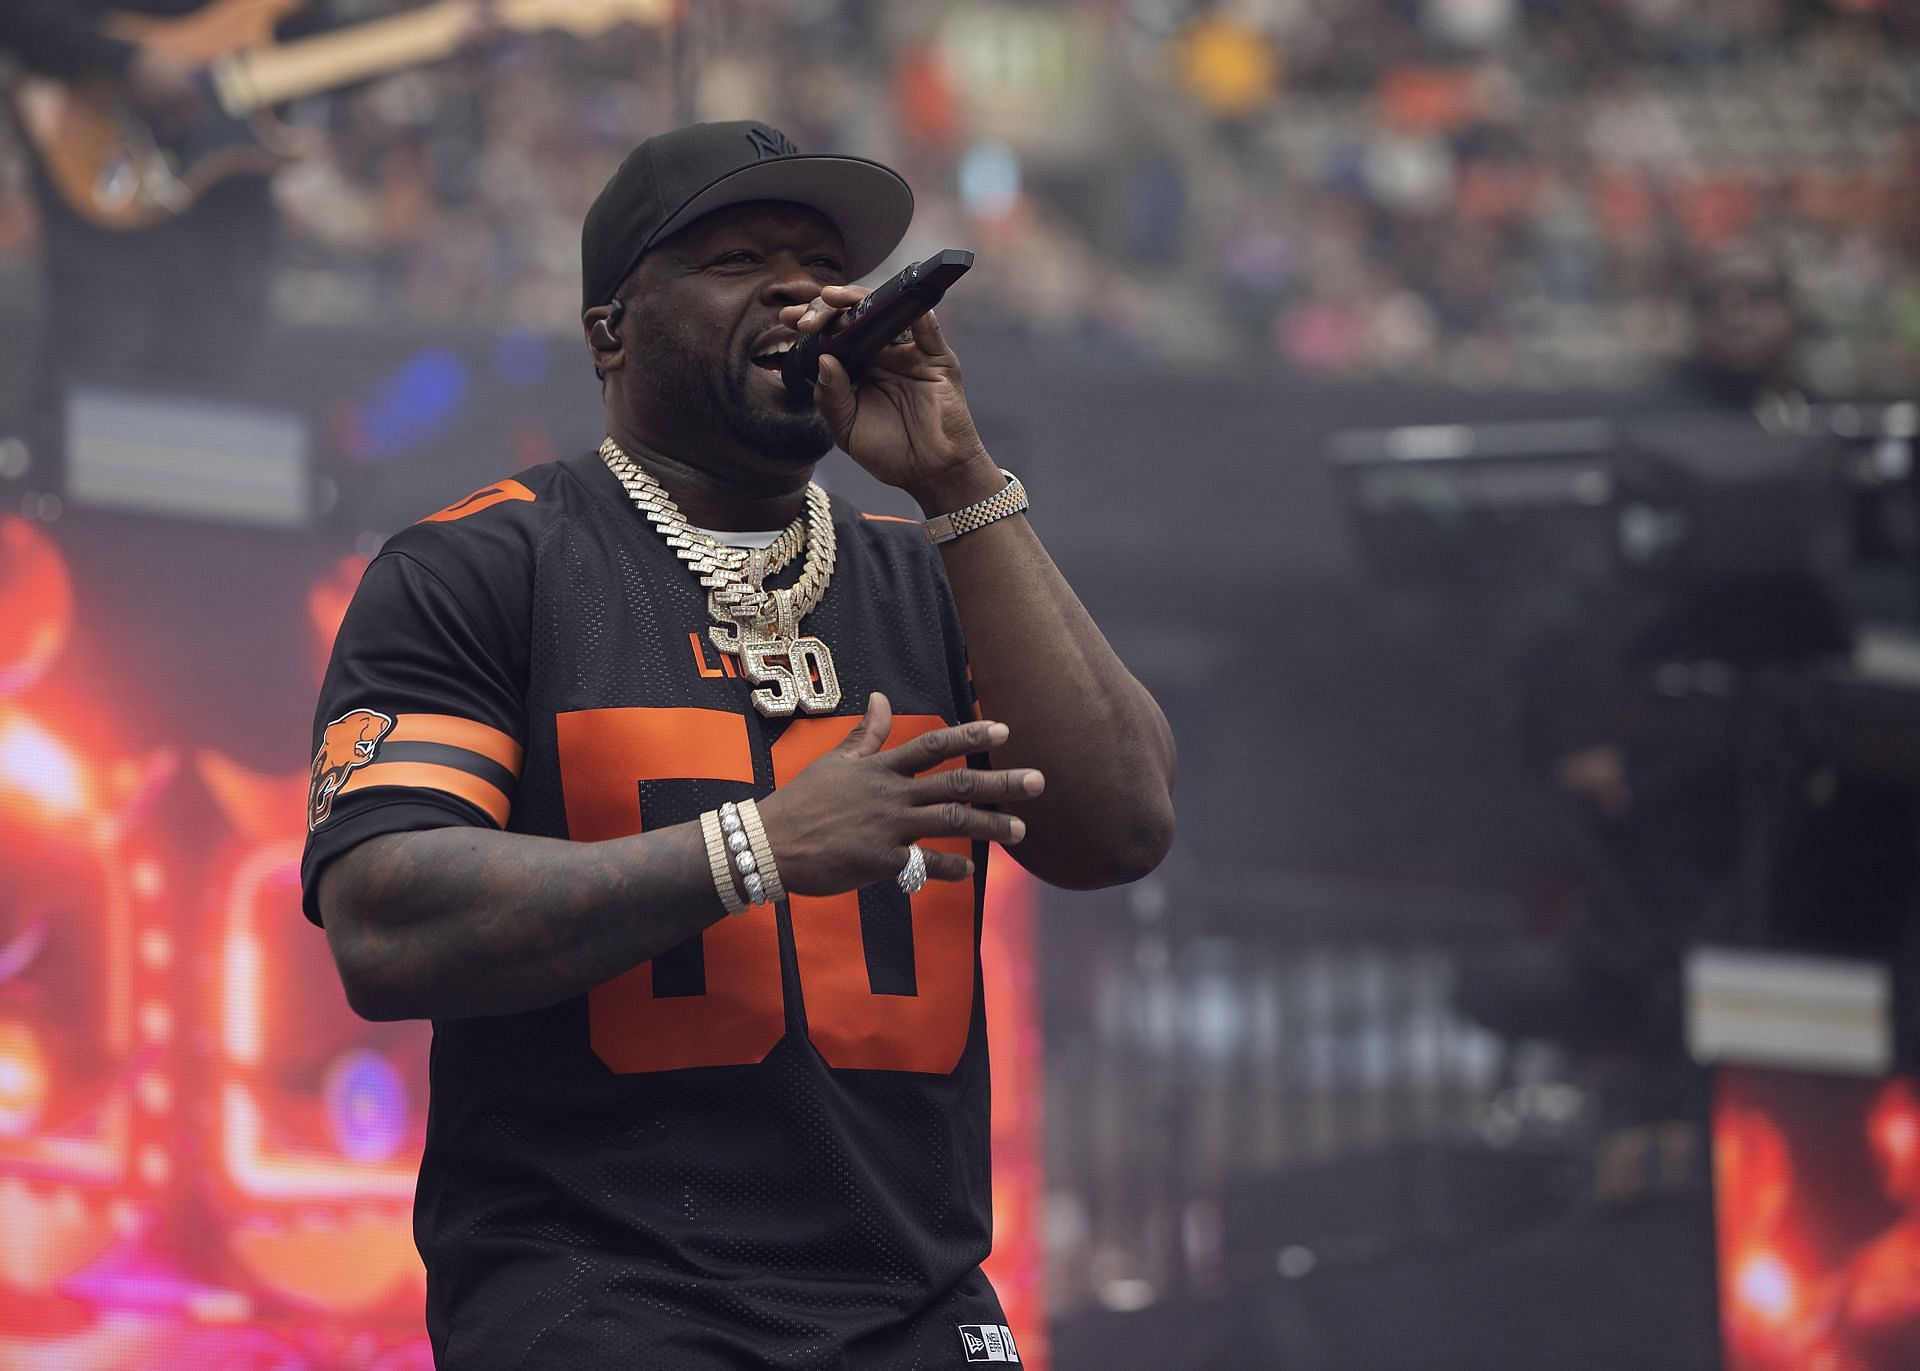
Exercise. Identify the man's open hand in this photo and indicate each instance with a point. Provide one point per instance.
(846, 821)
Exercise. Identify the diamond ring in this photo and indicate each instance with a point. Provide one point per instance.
(914, 874)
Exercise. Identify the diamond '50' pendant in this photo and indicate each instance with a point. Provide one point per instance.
(794, 672)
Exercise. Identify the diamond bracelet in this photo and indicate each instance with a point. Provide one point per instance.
(740, 857)
(762, 850)
(717, 863)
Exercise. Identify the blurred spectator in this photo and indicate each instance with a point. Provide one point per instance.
(1746, 333)
(1474, 192)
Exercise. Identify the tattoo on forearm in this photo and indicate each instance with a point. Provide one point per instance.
(453, 922)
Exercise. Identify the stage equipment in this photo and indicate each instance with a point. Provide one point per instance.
(189, 458)
(1589, 499)
(1673, 604)
(1788, 1010)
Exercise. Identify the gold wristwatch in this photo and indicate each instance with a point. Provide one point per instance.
(1009, 499)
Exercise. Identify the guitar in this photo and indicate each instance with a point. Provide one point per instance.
(113, 169)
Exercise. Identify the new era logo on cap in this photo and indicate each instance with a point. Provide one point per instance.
(771, 142)
(988, 1342)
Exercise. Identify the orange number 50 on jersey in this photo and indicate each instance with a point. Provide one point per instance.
(604, 755)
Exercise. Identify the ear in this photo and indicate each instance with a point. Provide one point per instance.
(603, 338)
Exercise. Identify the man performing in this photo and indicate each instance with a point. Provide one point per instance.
(709, 1076)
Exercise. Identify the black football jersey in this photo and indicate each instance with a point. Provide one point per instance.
(768, 1146)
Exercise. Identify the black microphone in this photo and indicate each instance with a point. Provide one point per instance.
(874, 322)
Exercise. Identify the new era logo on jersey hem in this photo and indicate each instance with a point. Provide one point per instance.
(988, 1342)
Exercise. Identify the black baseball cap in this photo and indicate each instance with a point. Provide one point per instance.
(673, 178)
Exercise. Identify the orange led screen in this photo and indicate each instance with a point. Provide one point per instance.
(1817, 1193)
(206, 1160)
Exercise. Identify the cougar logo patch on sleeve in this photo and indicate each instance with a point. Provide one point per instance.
(349, 742)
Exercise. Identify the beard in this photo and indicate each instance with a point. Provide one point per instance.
(785, 430)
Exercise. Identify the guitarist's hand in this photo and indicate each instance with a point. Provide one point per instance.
(482, 28)
(166, 89)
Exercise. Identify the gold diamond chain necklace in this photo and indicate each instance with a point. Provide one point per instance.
(761, 627)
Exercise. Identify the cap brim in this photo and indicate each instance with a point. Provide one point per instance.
(869, 203)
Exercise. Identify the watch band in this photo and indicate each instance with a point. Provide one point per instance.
(1009, 499)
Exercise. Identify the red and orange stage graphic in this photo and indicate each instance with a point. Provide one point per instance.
(1817, 1191)
(206, 1160)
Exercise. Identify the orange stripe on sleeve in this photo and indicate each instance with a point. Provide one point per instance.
(454, 731)
(486, 498)
(426, 776)
(888, 519)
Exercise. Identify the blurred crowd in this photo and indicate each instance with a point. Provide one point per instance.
(1478, 192)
